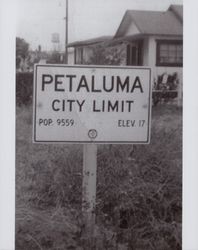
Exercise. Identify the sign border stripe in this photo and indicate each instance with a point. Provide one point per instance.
(89, 142)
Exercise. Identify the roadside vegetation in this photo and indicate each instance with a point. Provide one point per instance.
(139, 190)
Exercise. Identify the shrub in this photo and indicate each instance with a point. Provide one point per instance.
(24, 88)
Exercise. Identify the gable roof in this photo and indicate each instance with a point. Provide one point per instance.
(178, 11)
(153, 22)
(90, 41)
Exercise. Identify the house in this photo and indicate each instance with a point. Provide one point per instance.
(154, 39)
(145, 38)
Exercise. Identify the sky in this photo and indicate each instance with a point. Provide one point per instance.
(37, 20)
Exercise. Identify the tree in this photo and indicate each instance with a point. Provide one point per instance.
(22, 47)
(22, 50)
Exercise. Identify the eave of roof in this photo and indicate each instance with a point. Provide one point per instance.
(90, 41)
(118, 40)
(135, 37)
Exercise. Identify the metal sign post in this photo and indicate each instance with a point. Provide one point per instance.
(89, 185)
(89, 165)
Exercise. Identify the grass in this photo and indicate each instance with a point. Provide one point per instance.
(138, 190)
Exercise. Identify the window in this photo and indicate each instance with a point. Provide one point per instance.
(79, 55)
(169, 53)
(134, 53)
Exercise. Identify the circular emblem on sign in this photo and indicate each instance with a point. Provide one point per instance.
(92, 133)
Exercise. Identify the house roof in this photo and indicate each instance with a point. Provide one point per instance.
(90, 41)
(178, 11)
(154, 22)
(169, 22)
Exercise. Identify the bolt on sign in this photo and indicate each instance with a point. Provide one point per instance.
(91, 104)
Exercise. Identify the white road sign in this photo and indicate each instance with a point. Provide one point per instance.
(91, 104)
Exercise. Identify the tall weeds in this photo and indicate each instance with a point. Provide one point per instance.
(139, 190)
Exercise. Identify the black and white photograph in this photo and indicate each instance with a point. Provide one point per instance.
(99, 88)
(99, 125)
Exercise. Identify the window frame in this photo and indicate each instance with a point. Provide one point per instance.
(168, 42)
(138, 44)
(79, 51)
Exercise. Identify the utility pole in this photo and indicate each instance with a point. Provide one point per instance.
(66, 33)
